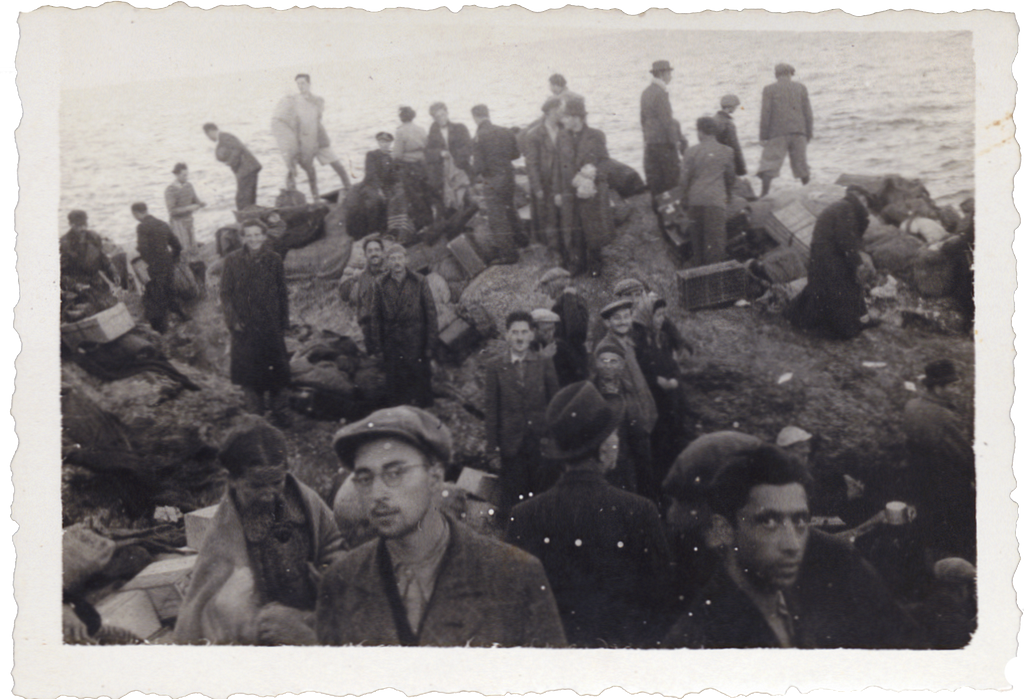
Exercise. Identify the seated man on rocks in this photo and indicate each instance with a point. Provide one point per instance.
(255, 581)
(781, 583)
(427, 580)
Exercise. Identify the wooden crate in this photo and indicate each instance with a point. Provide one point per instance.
(166, 583)
(793, 226)
(105, 326)
(130, 610)
(712, 285)
(197, 525)
(468, 256)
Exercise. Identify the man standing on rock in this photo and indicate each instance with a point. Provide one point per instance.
(494, 149)
(574, 319)
(403, 329)
(297, 125)
(787, 126)
(427, 580)
(255, 301)
(358, 291)
(160, 250)
(518, 386)
(618, 318)
(542, 169)
(661, 142)
(242, 162)
(709, 172)
(448, 156)
(727, 135)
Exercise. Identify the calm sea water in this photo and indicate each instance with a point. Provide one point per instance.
(883, 102)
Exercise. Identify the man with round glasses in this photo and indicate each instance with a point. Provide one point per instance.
(426, 580)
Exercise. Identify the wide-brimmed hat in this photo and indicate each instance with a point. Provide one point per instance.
(418, 427)
(579, 420)
(730, 101)
(659, 66)
(940, 372)
(616, 305)
(784, 69)
(575, 107)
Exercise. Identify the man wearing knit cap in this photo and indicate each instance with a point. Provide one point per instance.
(427, 580)
(787, 126)
(727, 132)
(255, 580)
(661, 153)
(940, 460)
(571, 310)
(602, 547)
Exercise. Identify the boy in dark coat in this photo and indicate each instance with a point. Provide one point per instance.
(582, 190)
(242, 162)
(403, 329)
(833, 300)
(518, 387)
(160, 249)
(602, 548)
(255, 301)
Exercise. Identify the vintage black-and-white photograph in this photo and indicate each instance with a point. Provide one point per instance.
(392, 330)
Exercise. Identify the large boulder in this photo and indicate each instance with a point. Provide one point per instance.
(895, 252)
(502, 289)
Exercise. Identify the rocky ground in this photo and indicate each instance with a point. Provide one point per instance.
(751, 370)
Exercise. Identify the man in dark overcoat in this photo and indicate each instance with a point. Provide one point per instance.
(518, 386)
(160, 249)
(582, 188)
(941, 464)
(449, 151)
(541, 169)
(243, 163)
(661, 140)
(603, 548)
(427, 580)
(727, 135)
(403, 329)
(833, 300)
(254, 297)
(494, 150)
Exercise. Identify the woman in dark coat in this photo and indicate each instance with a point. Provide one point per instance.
(255, 301)
(582, 186)
(833, 300)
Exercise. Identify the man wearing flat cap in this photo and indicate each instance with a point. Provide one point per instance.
(255, 580)
(940, 458)
(618, 319)
(727, 135)
(787, 126)
(661, 140)
(427, 580)
(602, 547)
(570, 365)
(572, 313)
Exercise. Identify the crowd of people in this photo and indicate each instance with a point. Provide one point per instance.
(619, 527)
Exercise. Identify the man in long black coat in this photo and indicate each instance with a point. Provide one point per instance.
(255, 301)
(661, 142)
(833, 300)
(603, 548)
(494, 150)
(160, 250)
(403, 329)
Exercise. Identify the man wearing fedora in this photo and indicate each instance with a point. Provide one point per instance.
(518, 386)
(602, 548)
(427, 580)
(941, 470)
(661, 140)
(787, 126)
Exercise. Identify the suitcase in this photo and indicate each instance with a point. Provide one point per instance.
(463, 249)
(712, 285)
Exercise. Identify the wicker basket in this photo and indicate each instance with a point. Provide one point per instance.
(712, 285)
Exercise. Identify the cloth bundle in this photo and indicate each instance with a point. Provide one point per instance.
(584, 182)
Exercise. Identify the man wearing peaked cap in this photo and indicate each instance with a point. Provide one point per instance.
(787, 126)
(618, 319)
(602, 547)
(574, 324)
(727, 135)
(426, 580)
(570, 364)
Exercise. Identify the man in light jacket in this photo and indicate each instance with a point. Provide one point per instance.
(787, 126)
